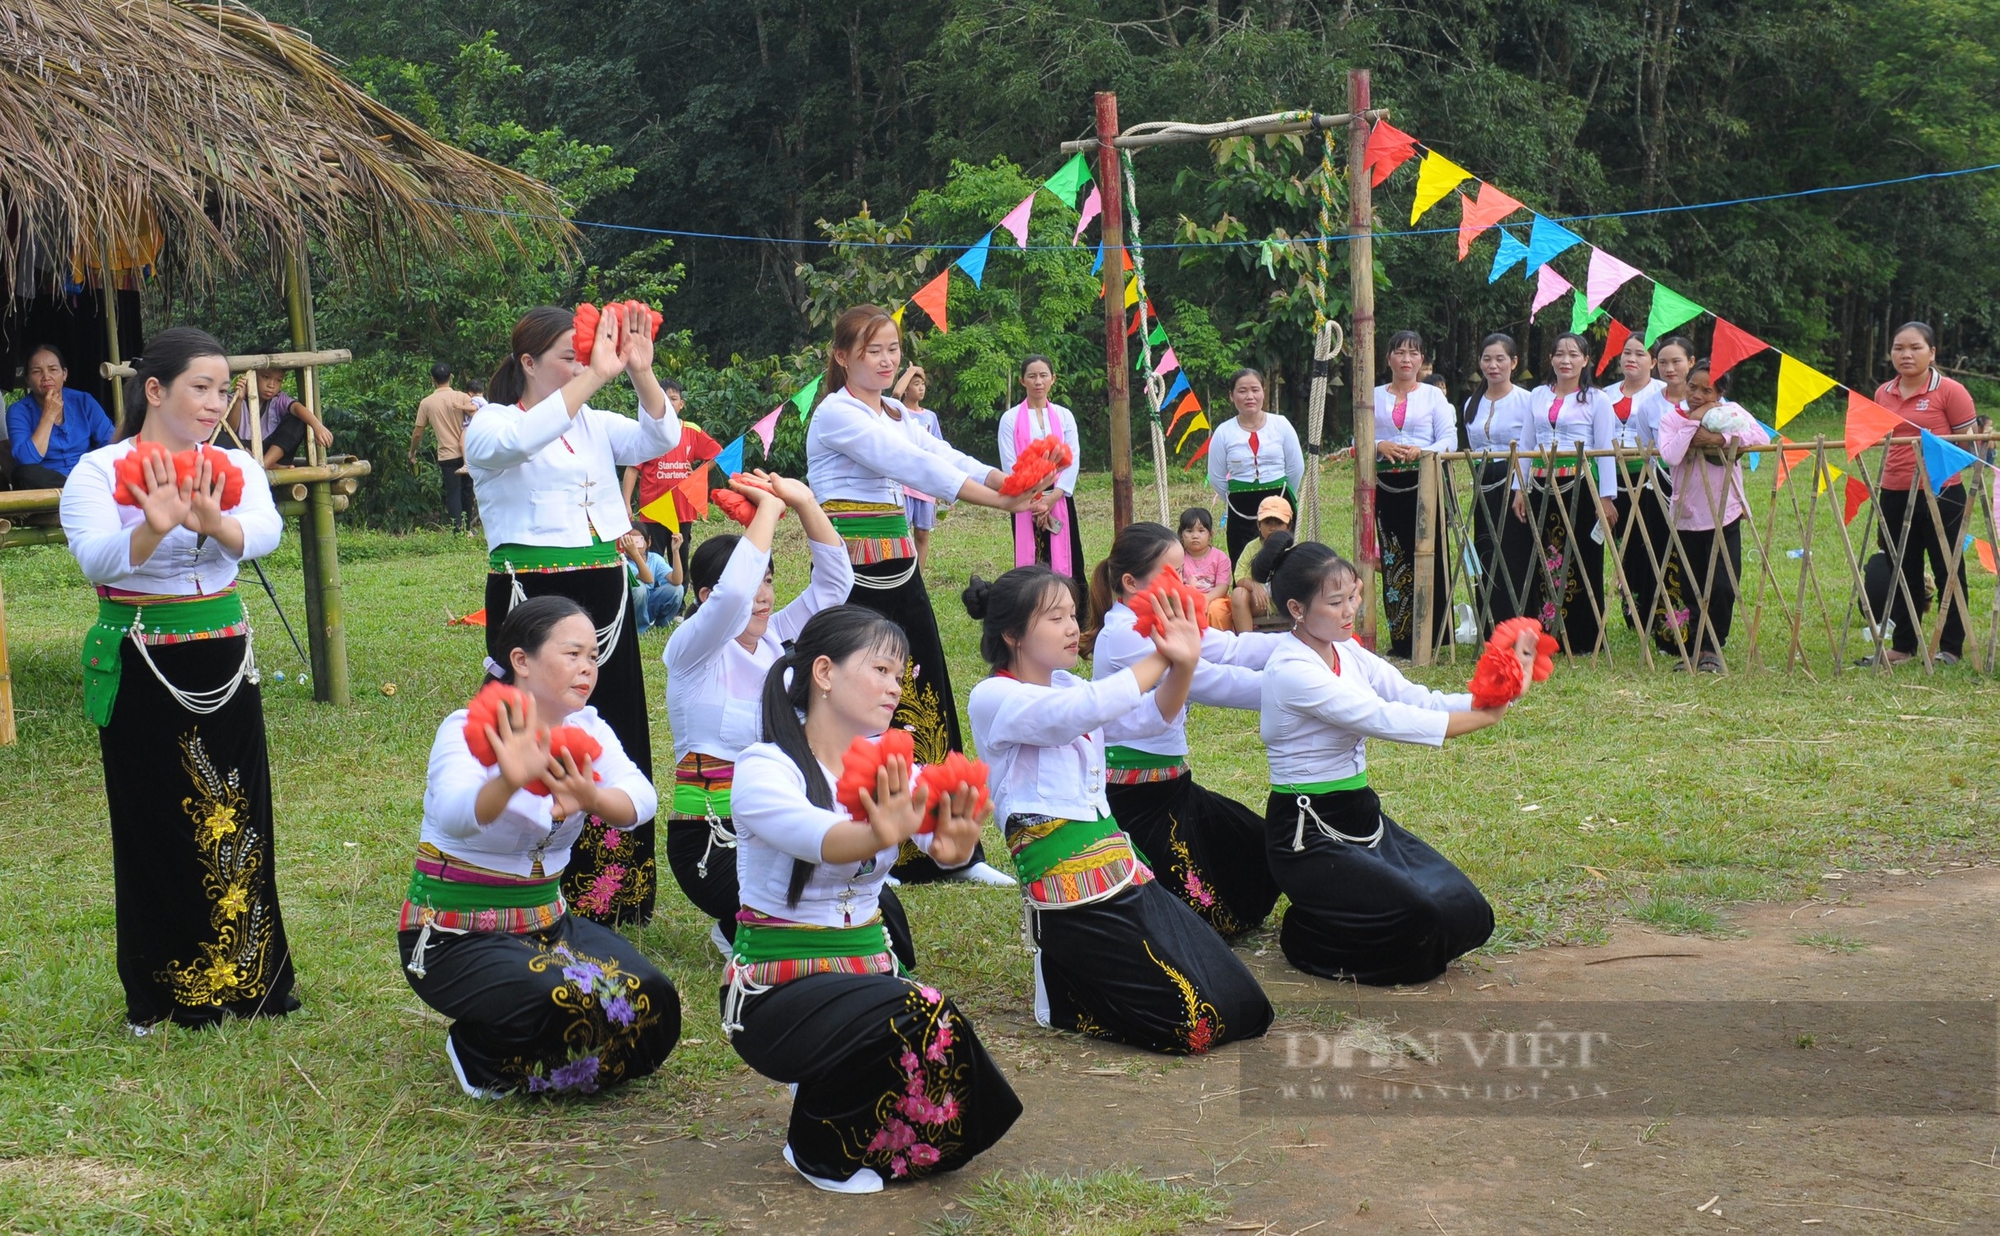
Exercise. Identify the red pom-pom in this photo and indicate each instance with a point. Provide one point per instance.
(1498, 679)
(483, 713)
(653, 316)
(129, 473)
(734, 505)
(1141, 604)
(863, 760)
(219, 465)
(577, 744)
(947, 778)
(585, 337)
(1038, 461)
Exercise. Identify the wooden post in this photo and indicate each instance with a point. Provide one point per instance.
(1424, 605)
(1117, 365)
(1361, 274)
(117, 388)
(326, 630)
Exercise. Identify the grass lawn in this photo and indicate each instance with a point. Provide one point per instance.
(1612, 791)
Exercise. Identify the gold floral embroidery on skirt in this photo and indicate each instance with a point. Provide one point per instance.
(920, 713)
(236, 965)
(1203, 1024)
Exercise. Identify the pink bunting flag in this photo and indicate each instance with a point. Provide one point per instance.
(1016, 221)
(1167, 363)
(1549, 286)
(767, 428)
(1093, 206)
(1607, 275)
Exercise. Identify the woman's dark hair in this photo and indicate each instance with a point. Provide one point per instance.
(1239, 375)
(1720, 382)
(705, 569)
(540, 329)
(1682, 342)
(1583, 384)
(836, 634)
(527, 627)
(52, 350)
(1006, 606)
(1402, 337)
(1922, 328)
(1197, 515)
(1506, 341)
(167, 356)
(441, 372)
(852, 329)
(1135, 551)
(1031, 358)
(1295, 570)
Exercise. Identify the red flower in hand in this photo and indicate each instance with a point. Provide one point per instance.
(129, 473)
(483, 713)
(734, 505)
(1498, 679)
(575, 743)
(585, 337)
(219, 465)
(1038, 461)
(863, 760)
(1142, 604)
(948, 777)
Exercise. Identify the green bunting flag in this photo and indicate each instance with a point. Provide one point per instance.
(1670, 309)
(803, 401)
(1581, 315)
(1068, 182)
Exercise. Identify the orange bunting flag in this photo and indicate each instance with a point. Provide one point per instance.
(1868, 422)
(1475, 217)
(1985, 551)
(1731, 344)
(695, 490)
(1388, 149)
(1857, 497)
(1196, 458)
(931, 298)
(1788, 460)
(1187, 405)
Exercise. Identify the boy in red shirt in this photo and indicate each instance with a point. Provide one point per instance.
(657, 476)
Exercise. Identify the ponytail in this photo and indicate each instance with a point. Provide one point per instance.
(1137, 550)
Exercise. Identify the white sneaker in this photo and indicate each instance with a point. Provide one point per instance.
(458, 1071)
(866, 1180)
(1467, 631)
(721, 942)
(985, 873)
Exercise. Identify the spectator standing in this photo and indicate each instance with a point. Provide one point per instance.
(657, 477)
(446, 412)
(52, 426)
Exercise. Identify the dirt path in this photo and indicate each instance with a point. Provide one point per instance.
(1630, 1167)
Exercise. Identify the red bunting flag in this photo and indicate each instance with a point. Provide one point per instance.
(1196, 458)
(1476, 216)
(1731, 344)
(1857, 497)
(1614, 343)
(931, 298)
(1868, 422)
(1388, 149)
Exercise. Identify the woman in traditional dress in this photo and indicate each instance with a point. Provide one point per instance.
(716, 662)
(1370, 901)
(1559, 503)
(918, 505)
(540, 999)
(1051, 538)
(170, 679)
(1412, 418)
(858, 463)
(890, 1079)
(1709, 501)
(1252, 456)
(1653, 590)
(544, 464)
(1116, 955)
(1496, 421)
(1206, 848)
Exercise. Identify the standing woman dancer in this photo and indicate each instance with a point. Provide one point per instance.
(1635, 408)
(1252, 456)
(1496, 420)
(858, 462)
(540, 1000)
(918, 505)
(1568, 415)
(170, 680)
(544, 465)
(1206, 848)
(1370, 901)
(1116, 955)
(1052, 539)
(891, 1080)
(1412, 417)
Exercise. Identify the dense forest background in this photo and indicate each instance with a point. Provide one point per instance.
(924, 120)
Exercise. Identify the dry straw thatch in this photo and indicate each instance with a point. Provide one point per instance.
(222, 134)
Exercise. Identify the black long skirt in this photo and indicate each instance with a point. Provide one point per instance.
(612, 874)
(1394, 912)
(573, 1009)
(1239, 528)
(1656, 603)
(890, 1075)
(1045, 553)
(1505, 547)
(1396, 538)
(200, 937)
(1574, 561)
(1206, 849)
(1139, 968)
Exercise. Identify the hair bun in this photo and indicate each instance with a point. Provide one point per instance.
(975, 597)
(1277, 547)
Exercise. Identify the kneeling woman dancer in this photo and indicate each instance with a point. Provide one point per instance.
(541, 999)
(891, 1080)
(1370, 901)
(1116, 954)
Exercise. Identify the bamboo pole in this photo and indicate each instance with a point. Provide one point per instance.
(1424, 604)
(326, 628)
(252, 360)
(38, 501)
(1167, 133)
(7, 735)
(1361, 277)
(117, 387)
(1117, 366)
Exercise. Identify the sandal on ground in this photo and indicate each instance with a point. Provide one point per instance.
(1710, 663)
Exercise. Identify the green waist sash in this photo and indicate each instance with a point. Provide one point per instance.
(1129, 758)
(464, 895)
(1241, 487)
(1033, 860)
(695, 801)
(552, 557)
(868, 525)
(1359, 781)
(757, 943)
(103, 663)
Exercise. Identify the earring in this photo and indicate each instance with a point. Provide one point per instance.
(826, 695)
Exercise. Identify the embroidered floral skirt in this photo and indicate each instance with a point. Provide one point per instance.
(199, 933)
(1394, 912)
(1207, 849)
(1567, 596)
(1505, 545)
(1396, 538)
(890, 1075)
(1656, 590)
(571, 1009)
(612, 875)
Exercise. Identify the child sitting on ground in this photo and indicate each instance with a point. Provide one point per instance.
(656, 587)
(1249, 600)
(1204, 567)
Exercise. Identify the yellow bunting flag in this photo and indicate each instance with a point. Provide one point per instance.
(897, 316)
(661, 511)
(1828, 477)
(1437, 177)
(1200, 421)
(1132, 291)
(1798, 385)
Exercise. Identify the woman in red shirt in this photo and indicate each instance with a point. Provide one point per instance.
(1925, 398)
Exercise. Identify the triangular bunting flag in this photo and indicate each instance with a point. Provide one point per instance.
(1857, 497)
(1476, 216)
(1437, 177)
(1798, 385)
(695, 490)
(1511, 251)
(1388, 149)
(1545, 240)
(1580, 314)
(1730, 345)
(1016, 221)
(1200, 421)
(1614, 343)
(803, 401)
(767, 429)
(1985, 552)
(1159, 333)
(730, 461)
(1548, 286)
(1093, 206)
(660, 511)
(1607, 275)
(1168, 361)
(1189, 465)
(931, 298)
(1189, 404)
(973, 261)
(1670, 309)
(1180, 384)
(1943, 460)
(897, 317)
(1069, 180)
(1831, 475)
(1098, 264)
(1868, 422)
(1789, 459)
(1131, 291)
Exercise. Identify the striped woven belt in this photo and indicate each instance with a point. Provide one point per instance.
(872, 531)
(1131, 766)
(1071, 862)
